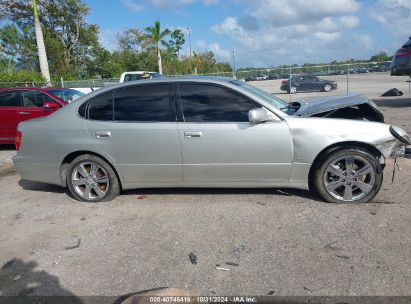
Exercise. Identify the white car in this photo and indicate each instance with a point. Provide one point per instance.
(138, 75)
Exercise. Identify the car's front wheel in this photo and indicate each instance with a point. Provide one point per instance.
(91, 179)
(327, 88)
(348, 175)
(293, 90)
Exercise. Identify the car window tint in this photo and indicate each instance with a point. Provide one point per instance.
(132, 77)
(34, 99)
(9, 99)
(210, 103)
(142, 103)
(101, 107)
(407, 44)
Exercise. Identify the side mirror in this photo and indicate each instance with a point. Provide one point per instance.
(50, 106)
(258, 115)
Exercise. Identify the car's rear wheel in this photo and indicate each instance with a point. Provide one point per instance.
(327, 88)
(349, 175)
(293, 90)
(91, 179)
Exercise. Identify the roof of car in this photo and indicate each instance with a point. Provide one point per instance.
(33, 89)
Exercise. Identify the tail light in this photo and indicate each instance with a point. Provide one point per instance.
(403, 53)
(18, 140)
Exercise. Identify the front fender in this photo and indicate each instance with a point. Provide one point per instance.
(310, 136)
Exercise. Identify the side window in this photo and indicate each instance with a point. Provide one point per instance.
(32, 99)
(132, 77)
(10, 99)
(101, 107)
(143, 103)
(210, 103)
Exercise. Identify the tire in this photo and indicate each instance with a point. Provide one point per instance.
(102, 185)
(336, 181)
(292, 90)
(327, 88)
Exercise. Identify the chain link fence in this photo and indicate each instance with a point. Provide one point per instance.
(295, 82)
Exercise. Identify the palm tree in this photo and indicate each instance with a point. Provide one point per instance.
(156, 35)
(44, 66)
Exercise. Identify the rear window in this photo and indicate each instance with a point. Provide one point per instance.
(143, 103)
(9, 99)
(101, 107)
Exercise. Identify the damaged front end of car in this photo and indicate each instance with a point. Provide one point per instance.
(396, 147)
(356, 107)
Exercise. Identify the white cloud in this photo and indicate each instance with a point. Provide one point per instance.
(289, 12)
(394, 16)
(210, 2)
(133, 5)
(219, 52)
(276, 32)
(349, 21)
(327, 36)
(139, 5)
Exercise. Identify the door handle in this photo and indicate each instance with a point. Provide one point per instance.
(103, 134)
(24, 113)
(193, 134)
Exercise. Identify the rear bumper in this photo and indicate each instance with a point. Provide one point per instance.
(38, 172)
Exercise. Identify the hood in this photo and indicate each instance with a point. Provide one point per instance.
(316, 106)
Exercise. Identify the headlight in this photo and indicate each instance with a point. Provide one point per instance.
(400, 134)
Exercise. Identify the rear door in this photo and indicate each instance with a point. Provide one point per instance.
(136, 127)
(9, 107)
(32, 105)
(219, 145)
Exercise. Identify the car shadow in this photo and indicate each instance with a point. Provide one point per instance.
(7, 147)
(43, 187)
(393, 102)
(20, 279)
(225, 191)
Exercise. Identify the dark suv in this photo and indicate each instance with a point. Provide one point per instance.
(307, 83)
(401, 62)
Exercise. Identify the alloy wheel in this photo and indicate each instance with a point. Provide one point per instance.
(90, 180)
(349, 178)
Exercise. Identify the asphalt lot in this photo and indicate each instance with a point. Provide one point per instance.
(287, 242)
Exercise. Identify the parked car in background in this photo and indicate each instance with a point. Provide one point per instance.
(204, 132)
(20, 104)
(401, 62)
(138, 75)
(306, 83)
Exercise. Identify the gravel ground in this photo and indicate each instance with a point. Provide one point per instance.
(287, 242)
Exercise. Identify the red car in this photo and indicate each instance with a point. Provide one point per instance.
(19, 104)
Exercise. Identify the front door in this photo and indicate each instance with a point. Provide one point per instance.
(32, 105)
(220, 145)
(9, 107)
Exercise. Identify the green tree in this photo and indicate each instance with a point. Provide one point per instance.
(381, 56)
(69, 39)
(177, 41)
(157, 37)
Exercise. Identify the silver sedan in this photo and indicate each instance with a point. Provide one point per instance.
(202, 132)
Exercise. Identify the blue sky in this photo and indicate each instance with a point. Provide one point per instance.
(266, 33)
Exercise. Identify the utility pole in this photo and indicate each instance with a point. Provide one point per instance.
(189, 39)
(234, 64)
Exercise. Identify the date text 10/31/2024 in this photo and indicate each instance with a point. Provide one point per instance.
(202, 299)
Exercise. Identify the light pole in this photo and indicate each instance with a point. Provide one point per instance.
(189, 39)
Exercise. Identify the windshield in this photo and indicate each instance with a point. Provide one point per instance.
(276, 102)
(68, 95)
